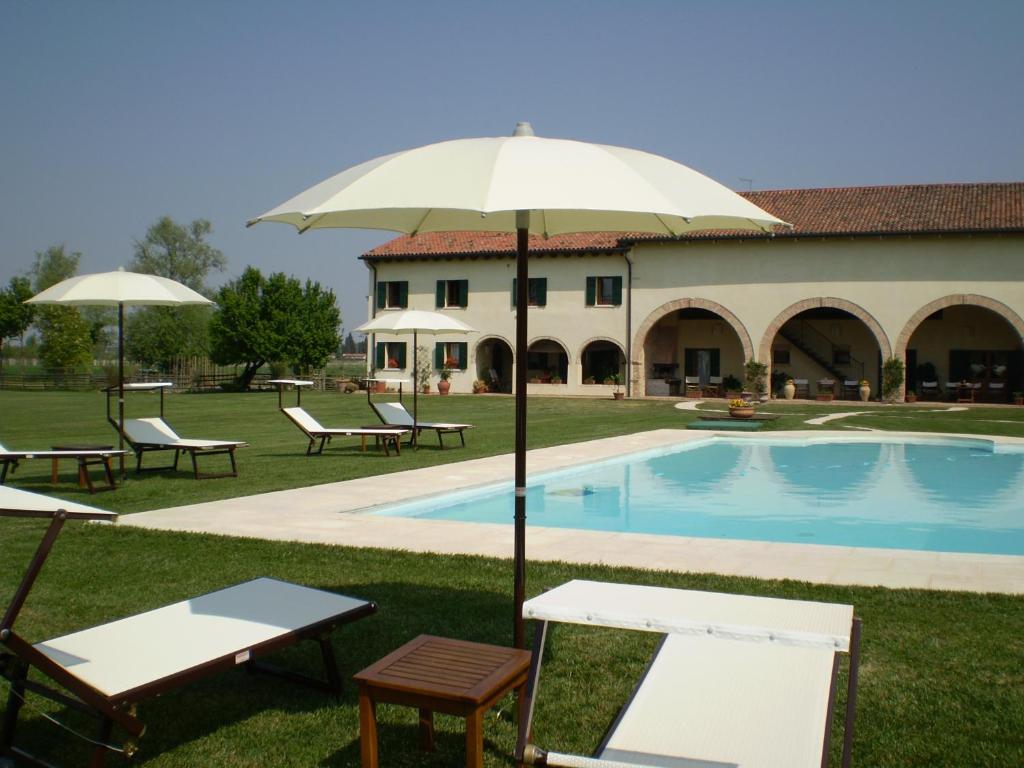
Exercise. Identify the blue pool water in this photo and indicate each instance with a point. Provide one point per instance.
(943, 496)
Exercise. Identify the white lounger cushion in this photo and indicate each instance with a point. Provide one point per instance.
(661, 609)
(396, 413)
(26, 501)
(156, 431)
(311, 426)
(121, 656)
(710, 703)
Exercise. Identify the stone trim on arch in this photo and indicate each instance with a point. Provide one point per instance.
(765, 350)
(692, 303)
(559, 342)
(609, 339)
(953, 300)
(495, 337)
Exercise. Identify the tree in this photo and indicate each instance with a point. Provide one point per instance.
(178, 252)
(15, 315)
(67, 343)
(157, 335)
(260, 320)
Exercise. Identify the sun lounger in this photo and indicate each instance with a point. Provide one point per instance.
(738, 681)
(312, 429)
(396, 415)
(109, 668)
(155, 434)
(9, 462)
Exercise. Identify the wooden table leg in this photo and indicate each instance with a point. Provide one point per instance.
(53, 471)
(426, 730)
(367, 730)
(475, 739)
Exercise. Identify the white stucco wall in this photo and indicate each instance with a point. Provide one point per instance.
(754, 284)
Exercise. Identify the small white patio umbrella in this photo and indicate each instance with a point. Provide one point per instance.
(527, 185)
(119, 289)
(414, 321)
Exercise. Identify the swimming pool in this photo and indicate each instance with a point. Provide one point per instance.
(932, 495)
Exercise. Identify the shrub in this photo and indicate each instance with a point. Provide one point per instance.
(892, 378)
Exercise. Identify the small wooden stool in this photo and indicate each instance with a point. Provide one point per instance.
(437, 674)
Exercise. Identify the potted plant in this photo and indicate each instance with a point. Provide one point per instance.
(741, 409)
(480, 386)
(732, 387)
(910, 397)
(423, 370)
(556, 379)
(789, 389)
(616, 381)
(1018, 398)
(443, 385)
(590, 380)
(826, 390)
(892, 379)
(864, 389)
(756, 374)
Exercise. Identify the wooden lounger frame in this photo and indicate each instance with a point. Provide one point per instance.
(141, 449)
(528, 753)
(18, 656)
(384, 435)
(439, 428)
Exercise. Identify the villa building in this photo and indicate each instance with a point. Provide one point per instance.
(930, 274)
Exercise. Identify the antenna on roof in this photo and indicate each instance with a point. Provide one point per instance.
(750, 183)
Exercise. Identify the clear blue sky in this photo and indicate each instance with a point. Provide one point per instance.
(115, 113)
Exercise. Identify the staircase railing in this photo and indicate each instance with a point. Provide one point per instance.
(810, 340)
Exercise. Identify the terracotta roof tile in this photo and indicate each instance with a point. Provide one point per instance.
(839, 211)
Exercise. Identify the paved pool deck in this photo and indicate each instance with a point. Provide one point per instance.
(335, 513)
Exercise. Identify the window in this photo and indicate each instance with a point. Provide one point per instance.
(452, 293)
(393, 294)
(537, 292)
(604, 291)
(780, 357)
(390, 355)
(841, 355)
(451, 354)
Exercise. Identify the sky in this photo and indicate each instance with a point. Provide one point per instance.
(115, 113)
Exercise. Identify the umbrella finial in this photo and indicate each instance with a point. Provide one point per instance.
(523, 128)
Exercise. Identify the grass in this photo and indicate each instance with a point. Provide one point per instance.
(941, 678)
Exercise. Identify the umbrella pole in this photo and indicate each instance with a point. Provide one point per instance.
(120, 387)
(522, 293)
(415, 411)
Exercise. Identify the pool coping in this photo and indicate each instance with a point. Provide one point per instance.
(335, 513)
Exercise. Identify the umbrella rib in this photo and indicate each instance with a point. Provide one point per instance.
(309, 222)
(421, 222)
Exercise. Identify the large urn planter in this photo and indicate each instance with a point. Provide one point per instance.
(789, 390)
(864, 390)
(443, 386)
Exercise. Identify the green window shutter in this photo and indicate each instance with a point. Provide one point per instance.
(439, 294)
(690, 362)
(463, 293)
(463, 348)
(439, 355)
(616, 291)
(399, 350)
(591, 291)
(382, 294)
(513, 293)
(403, 294)
(542, 291)
(379, 362)
(716, 359)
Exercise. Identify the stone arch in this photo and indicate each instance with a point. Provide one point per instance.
(765, 350)
(953, 300)
(496, 337)
(556, 340)
(692, 303)
(591, 340)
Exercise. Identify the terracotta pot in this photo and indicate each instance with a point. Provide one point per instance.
(618, 395)
(911, 397)
(443, 387)
(426, 389)
(380, 386)
(741, 413)
(824, 397)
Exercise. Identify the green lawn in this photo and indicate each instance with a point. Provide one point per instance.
(942, 682)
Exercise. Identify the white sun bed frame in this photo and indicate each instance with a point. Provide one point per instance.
(737, 682)
(155, 434)
(313, 431)
(397, 415)
(109, 668)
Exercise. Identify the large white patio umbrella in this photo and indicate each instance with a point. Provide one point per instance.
(119, 289)
(527, 185)
(414, 321)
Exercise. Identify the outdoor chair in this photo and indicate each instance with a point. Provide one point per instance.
(86, 458)
(851, 389)
(691, 386)
(107, 669)
(736, 681)
(930, 390)
(155, 434)
(713, 388)
(827, 387)
(803, 389)
(995, 392)
(396, 415)
(312, 429)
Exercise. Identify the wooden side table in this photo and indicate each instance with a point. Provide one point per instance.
(84, 462)
(437, 674)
